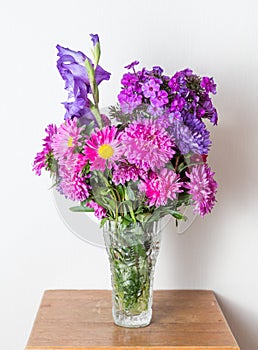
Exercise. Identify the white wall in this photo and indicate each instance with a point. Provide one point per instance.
(37, 251)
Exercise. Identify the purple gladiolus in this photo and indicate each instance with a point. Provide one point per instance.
(94, 38)
(71, 68)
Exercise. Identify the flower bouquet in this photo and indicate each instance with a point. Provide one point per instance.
(144, 159)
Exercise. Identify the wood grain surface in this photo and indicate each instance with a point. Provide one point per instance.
(82, 319)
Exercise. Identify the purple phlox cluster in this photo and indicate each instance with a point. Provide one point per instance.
(202, 187)
(208, 85)
(150, 88)
(160, 187)
(193, 94)
(177, 82)
(142, 87)
(185, 96)
(71, 68)
(40, 159)
(147, 145)
(129, 100)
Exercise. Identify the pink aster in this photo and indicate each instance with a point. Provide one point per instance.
(40, 159)
(147, 145)
(159, 188)
(66, 139)
(73, 185)
(99, 211)
(103, 148)
(202, 187)
(125, 172)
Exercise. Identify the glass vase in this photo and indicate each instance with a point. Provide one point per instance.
(132, 253)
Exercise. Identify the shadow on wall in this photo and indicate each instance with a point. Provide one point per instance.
(245, 333)
(217, 252)
(235, 154)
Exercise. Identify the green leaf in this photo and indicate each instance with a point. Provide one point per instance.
(179, 216)
(170, 166)
(181, 166)
(103, 221)
(188, 166)
(130, 193)
(120, 189)
(143, 217)
(81, 209)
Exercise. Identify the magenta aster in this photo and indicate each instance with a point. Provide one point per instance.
(40, 159)
(159, 188)
(66, 139)
(99, 211)
(202, 187)
(73, 185)
(125, 172)
(103, 148)
(147, 145)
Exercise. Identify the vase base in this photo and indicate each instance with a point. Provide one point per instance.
(129, 321)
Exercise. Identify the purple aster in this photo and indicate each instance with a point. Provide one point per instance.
(71, 68)
(160, 99)
(202, 187)
(208, 85)
(99, 211)
(162, 187)
(150, 88)
(147, 145)
(184, 138)
(200, 140)
(40, 159)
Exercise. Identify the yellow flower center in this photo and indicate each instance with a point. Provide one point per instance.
(70, 141)
(105, 151)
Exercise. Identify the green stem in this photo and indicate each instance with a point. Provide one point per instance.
(95, 111)
(130, 207)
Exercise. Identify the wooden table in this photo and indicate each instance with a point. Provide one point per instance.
(82, 319)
